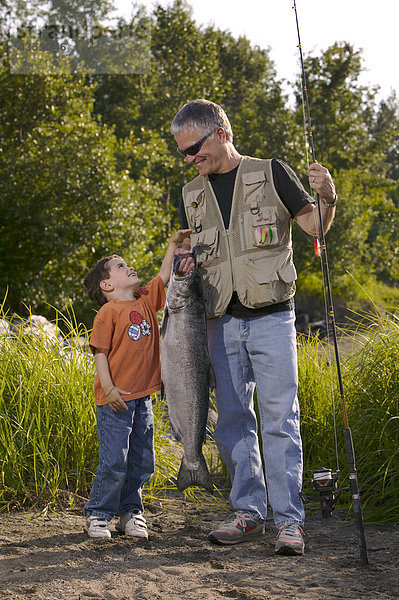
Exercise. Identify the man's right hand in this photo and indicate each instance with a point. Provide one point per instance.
(187, 262)
(186, 266)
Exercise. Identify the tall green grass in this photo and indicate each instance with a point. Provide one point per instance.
(372, 374)
(47, 419)
(371, 387)
(48, 441)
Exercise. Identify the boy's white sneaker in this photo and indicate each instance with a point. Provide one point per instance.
(133, 524)
(97, 527)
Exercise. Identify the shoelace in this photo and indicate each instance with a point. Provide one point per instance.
(291, 529)
(238, 521)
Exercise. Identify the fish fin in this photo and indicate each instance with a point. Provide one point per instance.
(198, 476)
(164, 319)
(176, 434)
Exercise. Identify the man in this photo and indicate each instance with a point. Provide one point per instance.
(241, 209)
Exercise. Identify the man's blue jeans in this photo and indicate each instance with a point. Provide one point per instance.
(126, 459)
(260, 351)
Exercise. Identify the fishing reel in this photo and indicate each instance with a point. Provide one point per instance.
(325, 482)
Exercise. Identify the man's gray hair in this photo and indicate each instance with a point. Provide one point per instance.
(203, 115)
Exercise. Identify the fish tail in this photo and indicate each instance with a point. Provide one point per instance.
(194, 475)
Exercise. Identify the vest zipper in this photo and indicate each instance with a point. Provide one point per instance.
(230, 260)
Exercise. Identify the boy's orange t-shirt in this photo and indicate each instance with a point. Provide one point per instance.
(127, 332)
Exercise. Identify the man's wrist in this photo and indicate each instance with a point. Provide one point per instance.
(330, 204)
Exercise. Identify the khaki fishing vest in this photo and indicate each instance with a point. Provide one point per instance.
(254, 255)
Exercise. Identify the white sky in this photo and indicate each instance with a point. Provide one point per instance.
(367, 24)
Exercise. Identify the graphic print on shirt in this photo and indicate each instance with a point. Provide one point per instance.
(139, 326)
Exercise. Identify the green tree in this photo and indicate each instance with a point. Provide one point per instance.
(88, 166)
(65, 202)
(384, 232)
(341, 109)
(252, 97)
(357, 141)
(189, 62)
(384, 133)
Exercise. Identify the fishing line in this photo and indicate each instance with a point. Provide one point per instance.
(349, 449)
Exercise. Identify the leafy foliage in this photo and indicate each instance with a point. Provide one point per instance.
(357, 141)
(65, 200)
(89, 167)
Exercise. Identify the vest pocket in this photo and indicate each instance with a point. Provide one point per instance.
(253, 186)
(195, 205)
(287, 272)
(260, 228)
(205, 244)
(211, 284)
(268, 281)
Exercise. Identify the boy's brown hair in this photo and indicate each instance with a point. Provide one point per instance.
(93, 278)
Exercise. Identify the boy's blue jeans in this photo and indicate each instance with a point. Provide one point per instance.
(126, 459)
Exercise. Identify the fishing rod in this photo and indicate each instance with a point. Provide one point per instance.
(349, 448)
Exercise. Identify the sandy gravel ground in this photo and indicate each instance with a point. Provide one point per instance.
(50, 557)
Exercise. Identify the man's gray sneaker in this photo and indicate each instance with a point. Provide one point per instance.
(240, 527)
(290, 540)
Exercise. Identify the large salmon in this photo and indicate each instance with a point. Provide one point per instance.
(186, 372)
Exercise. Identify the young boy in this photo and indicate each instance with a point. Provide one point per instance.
(125, 344)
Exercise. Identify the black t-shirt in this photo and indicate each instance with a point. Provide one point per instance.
(292, 194)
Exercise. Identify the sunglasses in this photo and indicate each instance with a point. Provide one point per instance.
(195, 148)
